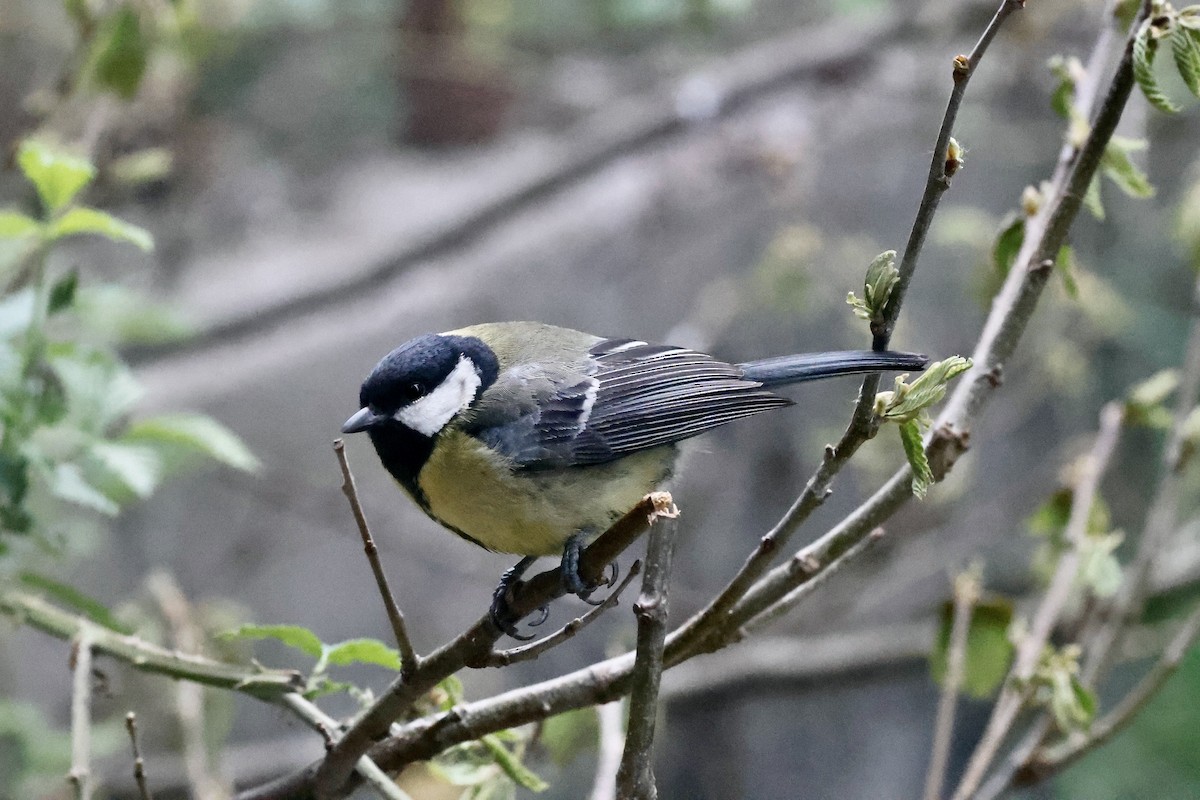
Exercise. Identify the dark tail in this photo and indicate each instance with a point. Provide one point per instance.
(812, 366)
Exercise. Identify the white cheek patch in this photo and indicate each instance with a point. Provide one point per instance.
(430, 414)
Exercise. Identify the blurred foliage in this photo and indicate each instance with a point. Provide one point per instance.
(989, 647)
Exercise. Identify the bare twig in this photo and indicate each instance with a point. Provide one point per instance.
(1029, 650)
(610, 718)
(409, 660)
(329, 727)
(80, 776)
(1056, 758)
(635, 776)
(967, 587)
(203, 775)
(528, 652)
(139, 766)
(940, 173)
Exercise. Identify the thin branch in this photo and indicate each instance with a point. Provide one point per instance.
(139, 766)
(967, 586)
(265, 684)
(528, 652)
(609, 717)
(862, 425)
(635, 777)
(1029, 651)
(80, 776)
(471, 648)
(1056, 758)
(329, 727)
(938, 180)
(409, 660)
(203, 776)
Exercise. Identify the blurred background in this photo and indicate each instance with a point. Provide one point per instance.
(325, 180)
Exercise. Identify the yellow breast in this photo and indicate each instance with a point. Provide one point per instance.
(474, 490)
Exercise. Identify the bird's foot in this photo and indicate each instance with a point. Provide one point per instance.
(501, 611)
(572, 581)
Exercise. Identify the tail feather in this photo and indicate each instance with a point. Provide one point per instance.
(783, 370)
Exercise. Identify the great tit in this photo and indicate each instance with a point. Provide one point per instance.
(531, 439)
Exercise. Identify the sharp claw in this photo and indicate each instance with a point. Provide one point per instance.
(543, 615)
(613, 572)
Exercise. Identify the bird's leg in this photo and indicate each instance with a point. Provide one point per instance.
(500, 610)
(572, 581)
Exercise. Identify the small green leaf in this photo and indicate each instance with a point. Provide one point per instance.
(364, 651)
(511, 765)
(71, 597)
(1117, 166)
(62, 293)
(1092, 200)
(1153, 391)
(1065, 265)
(120, 61)
(914, 450)
(197, 433)
(1008, 242)
(99, 390)
(907, 401)
(1099, 569)
(15, 225)
(294, 636)
(67, 482)
(989, 649)
(1145, 48)
(82, 220)
(1185, 47)
(56, 176)
(568, 735)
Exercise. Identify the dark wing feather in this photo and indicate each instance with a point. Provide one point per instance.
(627, 396)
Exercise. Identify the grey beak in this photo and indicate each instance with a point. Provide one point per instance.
(362, 419)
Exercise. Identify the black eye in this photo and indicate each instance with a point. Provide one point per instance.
(411, 391)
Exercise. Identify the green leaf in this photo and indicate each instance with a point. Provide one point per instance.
(914, 450)
(68, 483)
(1092, 200)
(881, 278)
(62, 293)
(136, 468)
(568, 735)
(1099, 569)
(56, 176)
(323, 686)
(1145, 48)
(1065, 265)
(1185, 47)
(71, 597)
(907, 401)
(197, 433)
(989, 650)
(120, 61)
(294, 636)
(99, 391)
(1008, 242)
(15, 225)
(1153, 391)
(84, 220)
(511, 765)
(1117, 166)
(364, 651)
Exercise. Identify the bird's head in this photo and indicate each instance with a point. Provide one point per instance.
(424, 383)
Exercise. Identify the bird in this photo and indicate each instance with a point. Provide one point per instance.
(531, 439)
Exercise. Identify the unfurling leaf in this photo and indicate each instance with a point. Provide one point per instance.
(914, 450)
(1185, 47)
(1092, 200)
(1099, 569)
(1057, 687)
(57, 176)
(1008, 242)
(1145, 48)
(877, 288)
(907, 400)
